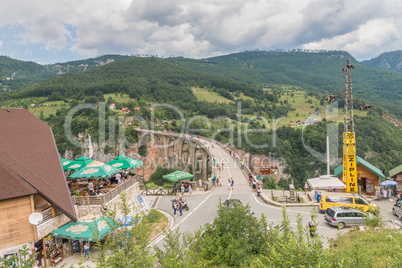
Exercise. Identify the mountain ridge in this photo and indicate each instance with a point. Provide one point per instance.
(391, 61)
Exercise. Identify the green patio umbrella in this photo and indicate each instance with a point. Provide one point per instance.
(91, 230)
(95, 172)
(123, 162)
(178, 176)
(65, 163)
(78, 163)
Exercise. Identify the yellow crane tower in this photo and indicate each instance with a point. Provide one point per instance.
(349, 175)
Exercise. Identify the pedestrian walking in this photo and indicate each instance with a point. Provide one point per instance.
(259, 190)
(182, 189)
(229, 184)
(190, 191)
(232, 182)
(174, 205)
(86, 251)
(305, 188)
(200, 183)
(179, 204)
(312, 225)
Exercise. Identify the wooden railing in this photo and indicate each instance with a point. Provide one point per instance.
(159, 191)
(105, 198)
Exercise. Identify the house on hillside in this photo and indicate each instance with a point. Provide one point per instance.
(136, 108)
(32, 183)
(125, 110)
(112, 106)
(396, 174)
(309, 121)
(368, 176)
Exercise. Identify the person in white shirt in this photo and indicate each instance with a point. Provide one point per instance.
(118, 178)
(91, 186)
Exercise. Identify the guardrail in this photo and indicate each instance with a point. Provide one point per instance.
(104, 198)
(160, 191)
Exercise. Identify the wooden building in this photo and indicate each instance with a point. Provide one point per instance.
(396, 174)
(368, 176)
(32, 180)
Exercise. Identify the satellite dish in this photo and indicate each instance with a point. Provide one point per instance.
(35, 218)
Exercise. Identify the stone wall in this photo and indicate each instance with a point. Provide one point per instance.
(15, 249)
(151, 160)
(50, 225)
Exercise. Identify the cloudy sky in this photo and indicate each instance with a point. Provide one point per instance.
(50, 31)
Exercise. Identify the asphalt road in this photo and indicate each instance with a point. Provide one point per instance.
(203, 205)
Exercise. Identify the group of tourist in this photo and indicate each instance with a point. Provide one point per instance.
(95, 187)
(203, 184)
(256, 184)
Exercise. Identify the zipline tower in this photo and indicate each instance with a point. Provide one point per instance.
(349, 141)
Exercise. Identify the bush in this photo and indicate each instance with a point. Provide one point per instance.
(157, 175)
(151, 185)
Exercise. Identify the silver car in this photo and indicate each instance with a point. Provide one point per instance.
(344, 216)
(397, 209)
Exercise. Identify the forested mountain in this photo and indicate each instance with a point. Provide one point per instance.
(313, 71)
(387, 61)
(16, 74)
(318, 72)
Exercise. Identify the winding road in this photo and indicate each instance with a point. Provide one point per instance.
(203, 205)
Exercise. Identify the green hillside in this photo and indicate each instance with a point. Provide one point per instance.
(318, 72)
(16, 74)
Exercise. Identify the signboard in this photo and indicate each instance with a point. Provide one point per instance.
(349, 162)
(273, 170)
(139, 202)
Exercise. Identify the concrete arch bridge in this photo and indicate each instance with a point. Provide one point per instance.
(179, 150)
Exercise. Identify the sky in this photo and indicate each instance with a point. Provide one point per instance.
(51, 31)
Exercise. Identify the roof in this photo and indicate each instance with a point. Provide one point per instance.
(395, 171)
(15, 186)
(326, 182)
(29, 157)
(364, 163)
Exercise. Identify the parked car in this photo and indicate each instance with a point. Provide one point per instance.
(229, 202)
(356, 201)
(344, 216)
(397, 209)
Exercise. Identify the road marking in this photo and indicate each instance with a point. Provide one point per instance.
(230, 173)
(185, 218)
(177, 225)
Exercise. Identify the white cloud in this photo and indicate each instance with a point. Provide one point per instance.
(374, 35)
(204, 28)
